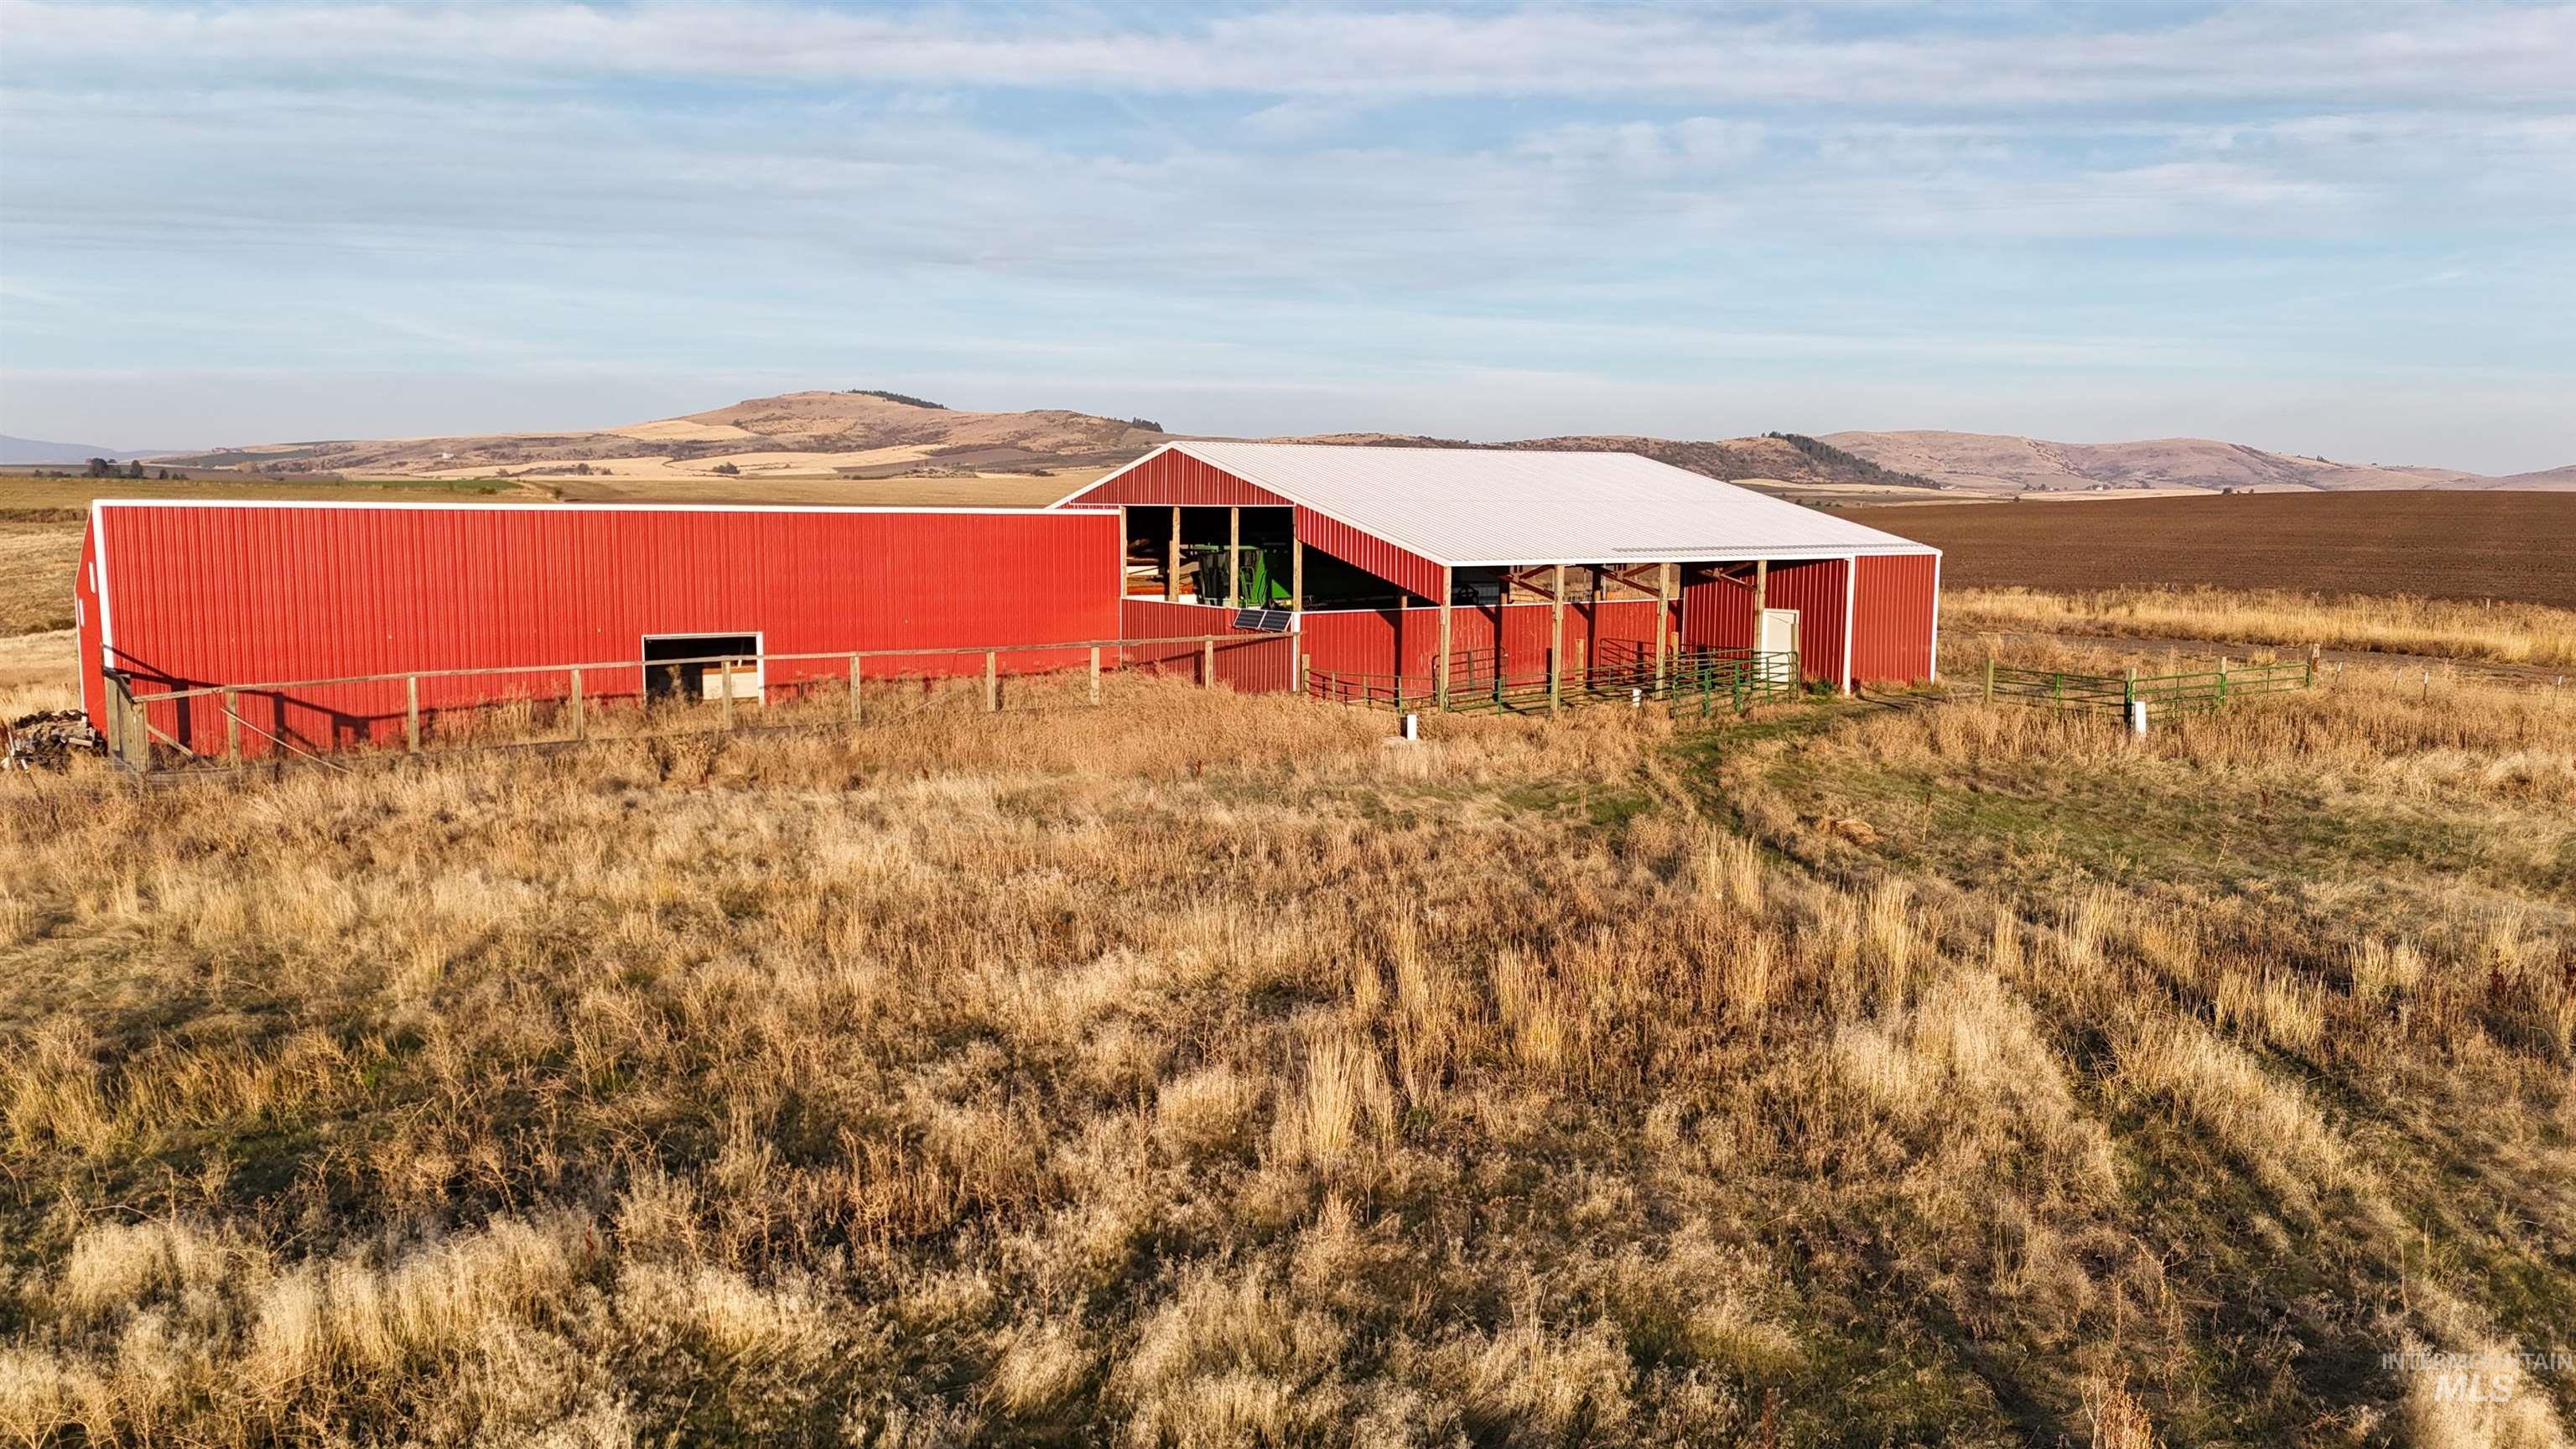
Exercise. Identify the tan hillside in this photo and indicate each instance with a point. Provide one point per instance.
(1998, 462)
(805, 434)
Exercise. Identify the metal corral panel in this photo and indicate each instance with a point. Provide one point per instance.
(1897, 602)
(1261, 663)
(1820, 591)
(1469, 507)
(1407, 641)
(1169, 476)
(226, 593)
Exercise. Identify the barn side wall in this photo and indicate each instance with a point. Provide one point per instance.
(93, 681)
(1262, 662)
(209, 595)
(1896, 606)
(1819, 590)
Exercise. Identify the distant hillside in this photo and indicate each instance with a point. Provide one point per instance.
(1998, 462)
(861, 434)
(1785, 457)
(877, 433)
(36, 450)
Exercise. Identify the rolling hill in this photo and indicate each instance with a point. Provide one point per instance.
(2000, 462)
(820, 437)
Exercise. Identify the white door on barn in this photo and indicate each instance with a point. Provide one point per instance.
(1775, 633)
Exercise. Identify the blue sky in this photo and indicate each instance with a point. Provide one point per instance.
(2339, 228)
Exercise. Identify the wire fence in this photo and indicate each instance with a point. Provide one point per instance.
(2152, 698)
(1697, 680)
(417, 711)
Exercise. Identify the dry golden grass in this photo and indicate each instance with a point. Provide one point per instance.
(37, 561)
(2502, 631)
(1202, 1070)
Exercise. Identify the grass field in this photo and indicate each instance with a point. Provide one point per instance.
(2534, 635)
(2443, 545)
(1200, 1070)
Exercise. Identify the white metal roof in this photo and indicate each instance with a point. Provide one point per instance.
(1479, 507)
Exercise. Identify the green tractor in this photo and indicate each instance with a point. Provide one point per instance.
(1260, 588)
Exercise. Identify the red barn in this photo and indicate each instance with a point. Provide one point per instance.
(1506, 564)
(177, 595)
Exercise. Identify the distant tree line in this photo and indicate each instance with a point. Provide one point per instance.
(1833, 457)
(106, 468)
(896, 397)
(1144, 425)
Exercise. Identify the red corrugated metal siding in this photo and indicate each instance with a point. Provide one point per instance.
(1169, 478)
(1262, 663)
(1405, 569)
(1892, 618)
(1816, 589)
(1717, 613)
(93, 684)
(214, 595)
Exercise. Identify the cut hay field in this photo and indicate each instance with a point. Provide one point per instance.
(1201, 1070)
(2442, 545)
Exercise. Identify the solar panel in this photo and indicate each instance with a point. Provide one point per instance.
(1267, 621)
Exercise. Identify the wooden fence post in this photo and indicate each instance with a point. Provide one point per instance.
(2222, 679)
(411, 714)
(992, 682)
(1555, 642)
(1305, 662)
(727, 666)
(129, 733)
(1207, 664)
(857, 711)
(232, 728)
(1990, 677)
(580, 722)
(1095, 674)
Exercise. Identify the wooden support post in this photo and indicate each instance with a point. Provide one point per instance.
(1172, 567)
(1663, 614)
(1296, 570)
(1556, 642)
(992, 681)
(1234, 558)
(1761, 589)
(1440, 666)
(1305, 664)
(232, 728)
(858, 710)
(1095, 674)
(411, 714)
(1207, 664)
(580, 724)
(1990, 676)
(1582, 666)
(727, 666)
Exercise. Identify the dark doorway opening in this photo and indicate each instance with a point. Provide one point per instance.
(690, 666)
